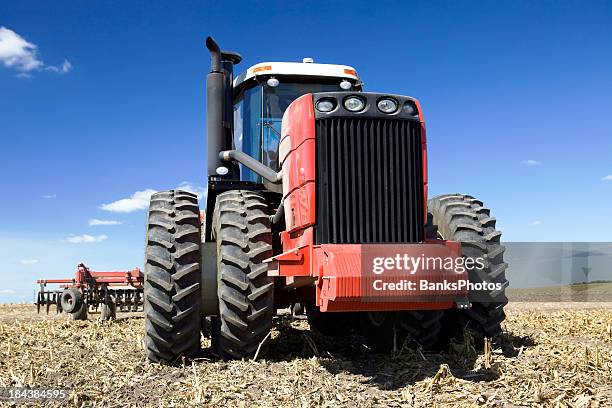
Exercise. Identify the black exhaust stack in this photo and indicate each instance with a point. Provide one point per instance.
(219, 103)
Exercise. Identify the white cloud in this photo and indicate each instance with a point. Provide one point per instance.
(29, 261)
(532, 162)
(94, 222)
(607, 178)
(21, 55)
(62, 69)
(86, 239)
(187, 186)
(48, 196)
(138, 201)
(7, 292)
(535, 222)
(16, 52)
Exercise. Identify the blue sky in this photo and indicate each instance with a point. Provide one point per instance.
(516, 97)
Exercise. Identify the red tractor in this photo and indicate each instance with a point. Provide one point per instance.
(317, 200)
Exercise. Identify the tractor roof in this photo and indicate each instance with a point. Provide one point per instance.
(301, 69)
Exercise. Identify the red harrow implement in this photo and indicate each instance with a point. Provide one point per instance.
(89, 290)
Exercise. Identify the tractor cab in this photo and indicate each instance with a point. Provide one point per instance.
(263, 92)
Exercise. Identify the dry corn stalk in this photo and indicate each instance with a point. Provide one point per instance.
(103, 366)
(488, 356)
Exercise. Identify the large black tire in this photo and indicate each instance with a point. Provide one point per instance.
(331, 323)
(80, 313)
(388, 331)
(172, 299)
(463, 218)
(71, 300)
(241, 227)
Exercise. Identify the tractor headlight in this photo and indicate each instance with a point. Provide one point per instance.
(387, 105)
(345, 85)
(354, 104)
(410, 108)
(326, 105)
(272, 82)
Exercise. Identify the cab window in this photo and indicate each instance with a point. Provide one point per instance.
(247, 128)
(258, 113)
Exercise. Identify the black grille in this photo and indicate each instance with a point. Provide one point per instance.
(369, 181)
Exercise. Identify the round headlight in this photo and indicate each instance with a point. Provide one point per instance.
(410, 108)
(346, 85)
(387, 105)
(325, 105)
(272, 82)
(354, 104)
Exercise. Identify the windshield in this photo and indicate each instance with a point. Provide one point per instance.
(258, 112)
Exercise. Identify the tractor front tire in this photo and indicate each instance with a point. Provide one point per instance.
(388, 331)
(241, 227)
(463, 218)
(331, 323)
(172, 299)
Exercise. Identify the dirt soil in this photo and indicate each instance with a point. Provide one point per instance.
(554, 355)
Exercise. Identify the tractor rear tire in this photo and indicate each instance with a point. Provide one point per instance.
(71, 300)
(80, 313)
(172, 299)
(241, 227)
(463, 218)
(388, 331)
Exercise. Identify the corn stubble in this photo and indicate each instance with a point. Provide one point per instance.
(551, 358)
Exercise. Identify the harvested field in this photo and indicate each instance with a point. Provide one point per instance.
(551, 357)
(579, 292)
